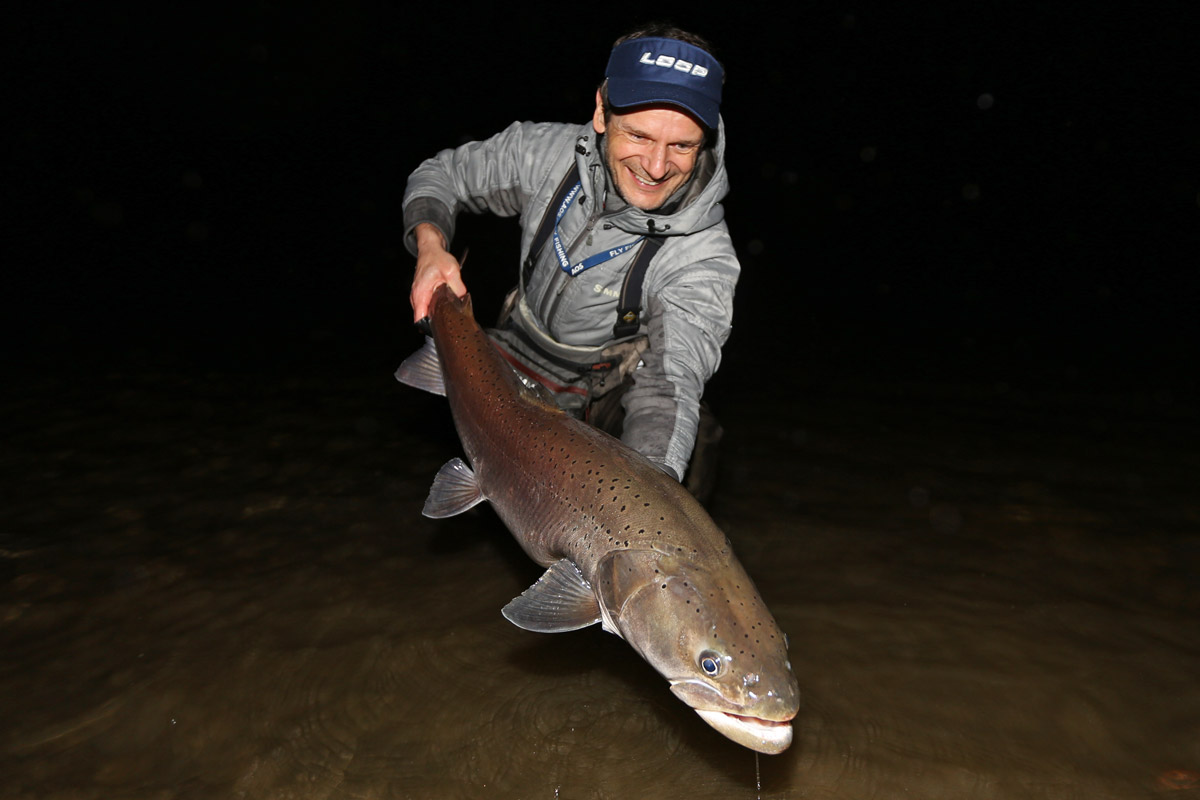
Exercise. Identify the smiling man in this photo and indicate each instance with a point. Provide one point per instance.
(625, 296)
(651, 153)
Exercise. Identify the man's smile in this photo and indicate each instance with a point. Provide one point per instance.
(646, 181)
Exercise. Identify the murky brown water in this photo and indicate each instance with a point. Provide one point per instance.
(221, 586)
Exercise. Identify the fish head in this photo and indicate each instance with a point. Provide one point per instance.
(705, 629)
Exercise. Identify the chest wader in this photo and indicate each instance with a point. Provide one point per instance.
(588, 382)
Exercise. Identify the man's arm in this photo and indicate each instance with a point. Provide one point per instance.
(494, 176)
(688, 321)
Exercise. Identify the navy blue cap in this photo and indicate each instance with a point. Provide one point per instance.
(656, 70)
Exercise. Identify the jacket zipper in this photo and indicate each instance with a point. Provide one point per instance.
(553, 295)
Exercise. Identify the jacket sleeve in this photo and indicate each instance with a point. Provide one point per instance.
(494, 175)
(689, 318)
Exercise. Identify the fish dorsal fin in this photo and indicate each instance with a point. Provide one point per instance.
(561, 600)
(423, 370)
(454, 490)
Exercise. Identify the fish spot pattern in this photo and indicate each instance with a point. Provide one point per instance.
(559, 459)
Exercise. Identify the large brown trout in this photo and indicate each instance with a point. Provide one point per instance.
(625, 544)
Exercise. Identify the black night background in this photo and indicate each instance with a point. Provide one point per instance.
(960, 406)
(932, 188)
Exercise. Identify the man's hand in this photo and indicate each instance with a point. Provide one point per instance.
(435, 266)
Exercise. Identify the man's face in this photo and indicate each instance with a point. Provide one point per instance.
(651, 152)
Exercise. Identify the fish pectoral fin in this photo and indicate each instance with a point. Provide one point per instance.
(561, 600)
(454, 490)
(423, 370)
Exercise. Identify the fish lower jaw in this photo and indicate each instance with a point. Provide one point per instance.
(764, 735)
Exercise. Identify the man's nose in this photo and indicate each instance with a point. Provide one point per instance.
(656, 162)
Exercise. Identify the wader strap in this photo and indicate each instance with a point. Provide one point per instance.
(629, 309)
(547, 225)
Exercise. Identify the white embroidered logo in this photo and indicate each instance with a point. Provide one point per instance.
(670, 62)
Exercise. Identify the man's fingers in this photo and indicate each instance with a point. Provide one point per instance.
(420, 297)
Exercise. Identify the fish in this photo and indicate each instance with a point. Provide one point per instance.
(623, 543)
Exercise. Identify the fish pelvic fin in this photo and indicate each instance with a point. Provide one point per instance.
(423, 370)
(561, 600)
(454, 490)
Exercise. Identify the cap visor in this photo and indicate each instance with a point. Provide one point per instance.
(630, 93)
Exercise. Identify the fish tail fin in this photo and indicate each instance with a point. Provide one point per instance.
(423, 370)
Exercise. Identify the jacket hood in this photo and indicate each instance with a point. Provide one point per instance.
(696, 206)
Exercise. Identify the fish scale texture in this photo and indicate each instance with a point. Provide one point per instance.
(564, 487)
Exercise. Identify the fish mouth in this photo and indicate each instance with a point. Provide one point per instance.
(770, 736)
(764, 735)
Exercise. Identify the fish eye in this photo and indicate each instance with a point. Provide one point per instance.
(710, 663)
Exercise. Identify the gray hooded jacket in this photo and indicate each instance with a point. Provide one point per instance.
(688, 289)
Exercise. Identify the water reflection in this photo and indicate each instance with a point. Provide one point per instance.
(221, 586)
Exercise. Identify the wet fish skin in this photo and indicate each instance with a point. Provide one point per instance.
(625, 544)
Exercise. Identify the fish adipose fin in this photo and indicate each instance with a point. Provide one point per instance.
(423, 370)
(454, 490)
(560, 601)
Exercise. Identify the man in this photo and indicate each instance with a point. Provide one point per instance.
(626, 293)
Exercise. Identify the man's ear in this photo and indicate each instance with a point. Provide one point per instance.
(598, 116)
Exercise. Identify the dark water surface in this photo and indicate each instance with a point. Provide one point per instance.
(220, 585)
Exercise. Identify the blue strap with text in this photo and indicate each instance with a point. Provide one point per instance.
(560, 249)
